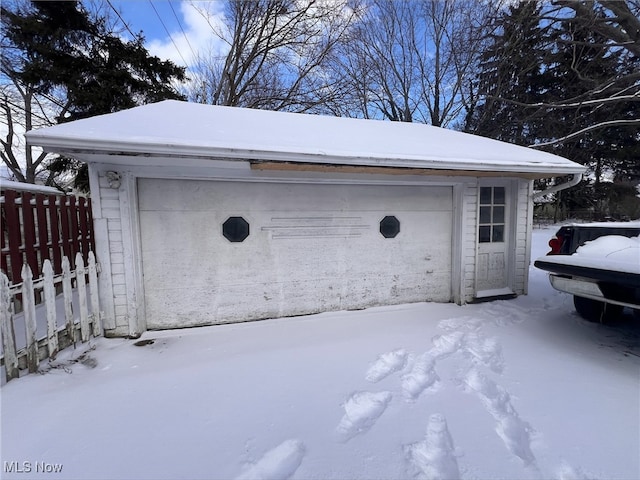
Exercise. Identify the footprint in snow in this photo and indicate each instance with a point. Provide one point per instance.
(422, 376)
(279, 463)
(485, 351)
(567, 472)
(361, 411)
(386, 364)
(503, 313)
(445, 345)
(514, 432)
(460, 323)
(434, 457)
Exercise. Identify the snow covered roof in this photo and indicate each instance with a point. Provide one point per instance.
(28, 187)
(189, 130)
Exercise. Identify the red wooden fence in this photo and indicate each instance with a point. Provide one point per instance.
(39, 226)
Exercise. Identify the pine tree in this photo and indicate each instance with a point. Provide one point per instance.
(583, 69)
(579, 66)
(57, 49)
(546, 81)
(512, 70)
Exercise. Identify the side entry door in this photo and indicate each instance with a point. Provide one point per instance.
(492, 271)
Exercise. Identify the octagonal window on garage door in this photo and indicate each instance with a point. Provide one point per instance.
(235, 229)
(389, 226)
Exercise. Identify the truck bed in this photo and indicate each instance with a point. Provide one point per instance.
(599, 264)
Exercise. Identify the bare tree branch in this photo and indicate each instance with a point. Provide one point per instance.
(7, 155)
(623, 29)
(568, 105)
(598, 126)
(411, 60)
(279, 51)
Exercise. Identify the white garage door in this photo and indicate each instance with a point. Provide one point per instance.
(310, 248)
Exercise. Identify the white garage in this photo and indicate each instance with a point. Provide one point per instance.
(310, 248)
(206, 215)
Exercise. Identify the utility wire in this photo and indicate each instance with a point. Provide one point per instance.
(167, 30)
(180, 25)
(121, 19)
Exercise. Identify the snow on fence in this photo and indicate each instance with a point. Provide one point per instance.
(58, 335)
(39, 226)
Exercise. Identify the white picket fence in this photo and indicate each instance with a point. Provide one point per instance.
(59, 335)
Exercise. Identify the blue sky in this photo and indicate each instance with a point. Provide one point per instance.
(140, 15)
(174, 29)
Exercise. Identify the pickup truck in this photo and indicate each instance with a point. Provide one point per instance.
(599, 264)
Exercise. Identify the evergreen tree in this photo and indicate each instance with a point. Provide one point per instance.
(578, 66)
(513, 69)
(56, 49)
(584, 70)
(549, 75)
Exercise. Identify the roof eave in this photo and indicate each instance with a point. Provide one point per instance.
(91, 147)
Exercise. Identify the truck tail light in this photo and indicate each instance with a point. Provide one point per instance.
(556, 245)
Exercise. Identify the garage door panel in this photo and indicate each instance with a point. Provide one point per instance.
(201, 195)
(210, 257)
(322, 252)
(228, 303)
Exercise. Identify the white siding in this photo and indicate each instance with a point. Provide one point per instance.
(102, 247)
(469, 244)
(110, 252)
(119, 248)
(524, 219)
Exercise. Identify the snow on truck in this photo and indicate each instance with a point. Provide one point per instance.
(599, 264)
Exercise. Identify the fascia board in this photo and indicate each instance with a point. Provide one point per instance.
(89, 147)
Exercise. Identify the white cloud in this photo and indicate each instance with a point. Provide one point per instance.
(199, 19)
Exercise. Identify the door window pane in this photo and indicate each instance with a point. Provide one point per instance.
(492, 214)
(498, 233)
(485, 234)
(498, 215)
(485, 195)
(485, 214)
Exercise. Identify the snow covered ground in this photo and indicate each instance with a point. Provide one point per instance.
(520, 389)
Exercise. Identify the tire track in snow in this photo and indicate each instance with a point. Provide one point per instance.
(434, 457)
(279, 463)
